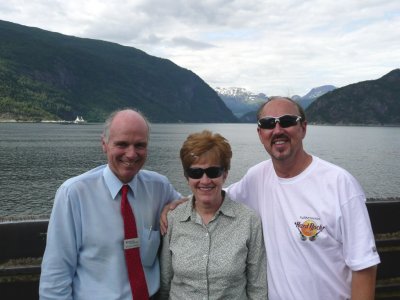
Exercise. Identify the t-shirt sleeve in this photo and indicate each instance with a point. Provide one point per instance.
(359, 247)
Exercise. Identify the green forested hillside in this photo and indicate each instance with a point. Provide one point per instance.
(372, 102)
(46, 75)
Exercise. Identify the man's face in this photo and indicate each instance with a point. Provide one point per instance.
(126, 147)
(282, 144)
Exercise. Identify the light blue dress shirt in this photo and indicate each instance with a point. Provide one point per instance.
(84, 256)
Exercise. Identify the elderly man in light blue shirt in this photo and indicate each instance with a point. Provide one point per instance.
(84, 257)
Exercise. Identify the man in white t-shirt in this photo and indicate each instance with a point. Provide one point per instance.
(317, 231)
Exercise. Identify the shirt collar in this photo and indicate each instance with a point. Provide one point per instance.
(114, 184)
(226, 208)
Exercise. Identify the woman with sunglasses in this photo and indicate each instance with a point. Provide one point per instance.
(214, 247)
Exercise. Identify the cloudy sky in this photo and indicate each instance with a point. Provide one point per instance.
(278, 47)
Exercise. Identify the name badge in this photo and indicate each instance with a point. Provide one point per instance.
(131, 243)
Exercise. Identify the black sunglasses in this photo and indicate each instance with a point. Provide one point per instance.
(211, 172)
(285, 121)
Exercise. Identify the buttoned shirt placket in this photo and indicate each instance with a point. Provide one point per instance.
(207, 231)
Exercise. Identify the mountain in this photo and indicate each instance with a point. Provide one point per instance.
(233, 97)
(239, 100)
(47, 75)
(372, 102)
(250, 117)
(312, 95)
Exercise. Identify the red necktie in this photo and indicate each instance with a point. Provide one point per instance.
(137, 279)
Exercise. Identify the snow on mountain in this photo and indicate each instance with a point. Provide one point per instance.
(240, 94)
(318, 91)
(239, 100)
(312, 95)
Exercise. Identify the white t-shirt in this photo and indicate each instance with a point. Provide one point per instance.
(316, 229)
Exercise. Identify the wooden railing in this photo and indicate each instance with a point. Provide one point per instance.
(22, 245)
(386, 226)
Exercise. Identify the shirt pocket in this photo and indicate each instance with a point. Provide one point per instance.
(149, 247)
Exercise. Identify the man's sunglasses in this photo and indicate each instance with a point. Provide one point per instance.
(284, 121)
(211, 172)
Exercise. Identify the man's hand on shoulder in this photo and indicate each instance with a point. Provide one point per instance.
(164, 213)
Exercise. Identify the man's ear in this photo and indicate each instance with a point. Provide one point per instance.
(304, 126)
(103, 144)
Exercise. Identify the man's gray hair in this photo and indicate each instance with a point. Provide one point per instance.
(110, 118)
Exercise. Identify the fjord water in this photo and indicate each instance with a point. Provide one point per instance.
(35, 158)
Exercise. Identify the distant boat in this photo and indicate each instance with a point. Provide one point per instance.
(79, 120)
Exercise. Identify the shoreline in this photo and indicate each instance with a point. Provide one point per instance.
(63, 122)
(45, 217)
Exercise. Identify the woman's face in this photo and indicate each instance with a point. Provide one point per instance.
(206, 190)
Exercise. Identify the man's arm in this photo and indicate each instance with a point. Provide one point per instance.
(363, 284)
(164, 213)
(60, 257)
(166, 270)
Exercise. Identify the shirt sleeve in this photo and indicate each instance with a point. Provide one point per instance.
(245, 190)
(60, 257)
(357, 236)
(169, 194)
(166, 265)
(256, 263)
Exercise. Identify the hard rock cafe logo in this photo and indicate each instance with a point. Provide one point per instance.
(309, 229)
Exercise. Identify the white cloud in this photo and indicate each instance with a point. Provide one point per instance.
(279, 47)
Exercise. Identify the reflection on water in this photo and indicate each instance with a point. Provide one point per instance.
(37, 158)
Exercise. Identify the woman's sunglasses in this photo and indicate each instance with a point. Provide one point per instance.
(284, 121)
(211, 172)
